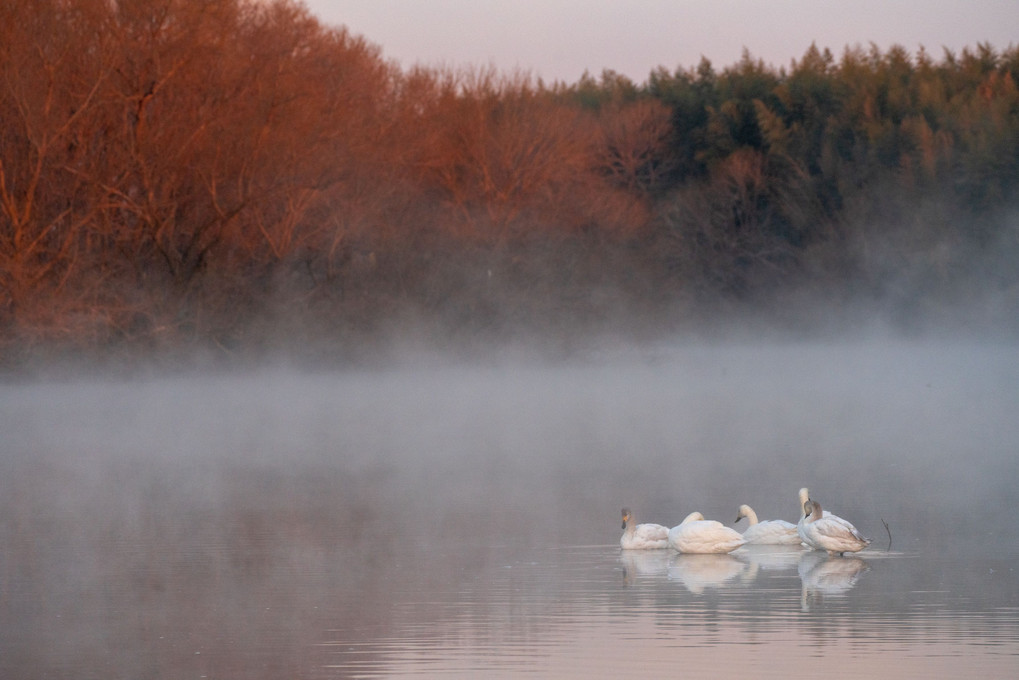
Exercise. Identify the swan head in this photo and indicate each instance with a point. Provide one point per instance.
(743, 511)
(812, 508)
(804, 495)
(626, 516)
(818, 512)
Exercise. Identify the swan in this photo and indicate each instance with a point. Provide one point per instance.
(804, 495)
(768, 532)
(831, 533)
(698, 535)
(642, 536)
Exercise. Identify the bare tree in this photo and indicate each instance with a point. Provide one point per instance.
(500, 147)
(54, 66)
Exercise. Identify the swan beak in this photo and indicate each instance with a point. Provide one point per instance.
(624, 524)
(738, 518)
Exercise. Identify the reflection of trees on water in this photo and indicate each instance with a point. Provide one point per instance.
(821, 576)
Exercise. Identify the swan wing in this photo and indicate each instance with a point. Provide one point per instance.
(835, 536)
(847, 525)
(836, 527)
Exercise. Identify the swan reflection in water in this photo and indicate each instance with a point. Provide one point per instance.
(644, 563)
(772, 557)
(700, 572)
(769, 561)
(697, 572)
(822, 575)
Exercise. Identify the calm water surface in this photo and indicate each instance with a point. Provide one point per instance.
(464, 521)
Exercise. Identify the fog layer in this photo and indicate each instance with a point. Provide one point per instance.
(889, 431)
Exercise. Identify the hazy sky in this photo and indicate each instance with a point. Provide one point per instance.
(559, 39)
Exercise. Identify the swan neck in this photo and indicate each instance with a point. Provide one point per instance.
(816, 514)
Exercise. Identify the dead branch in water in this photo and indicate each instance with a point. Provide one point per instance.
(889, 535)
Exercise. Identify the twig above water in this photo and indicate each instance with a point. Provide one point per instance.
(889, 535)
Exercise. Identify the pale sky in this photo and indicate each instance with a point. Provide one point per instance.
(559, 39)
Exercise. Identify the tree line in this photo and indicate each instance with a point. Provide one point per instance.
(235, 174)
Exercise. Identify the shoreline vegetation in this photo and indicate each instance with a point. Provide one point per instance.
(234, 179)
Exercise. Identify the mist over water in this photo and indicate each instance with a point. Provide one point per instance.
(235, 524)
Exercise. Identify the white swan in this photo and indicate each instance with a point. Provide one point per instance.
(768, 532)
(642, 536)
(698, 535)
(804, 495)
(831, 533)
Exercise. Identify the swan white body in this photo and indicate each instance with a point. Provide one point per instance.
(768, 532)
(642, 536)
(698, 535)
(830, 533)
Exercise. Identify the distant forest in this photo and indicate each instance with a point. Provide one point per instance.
(236, 176)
